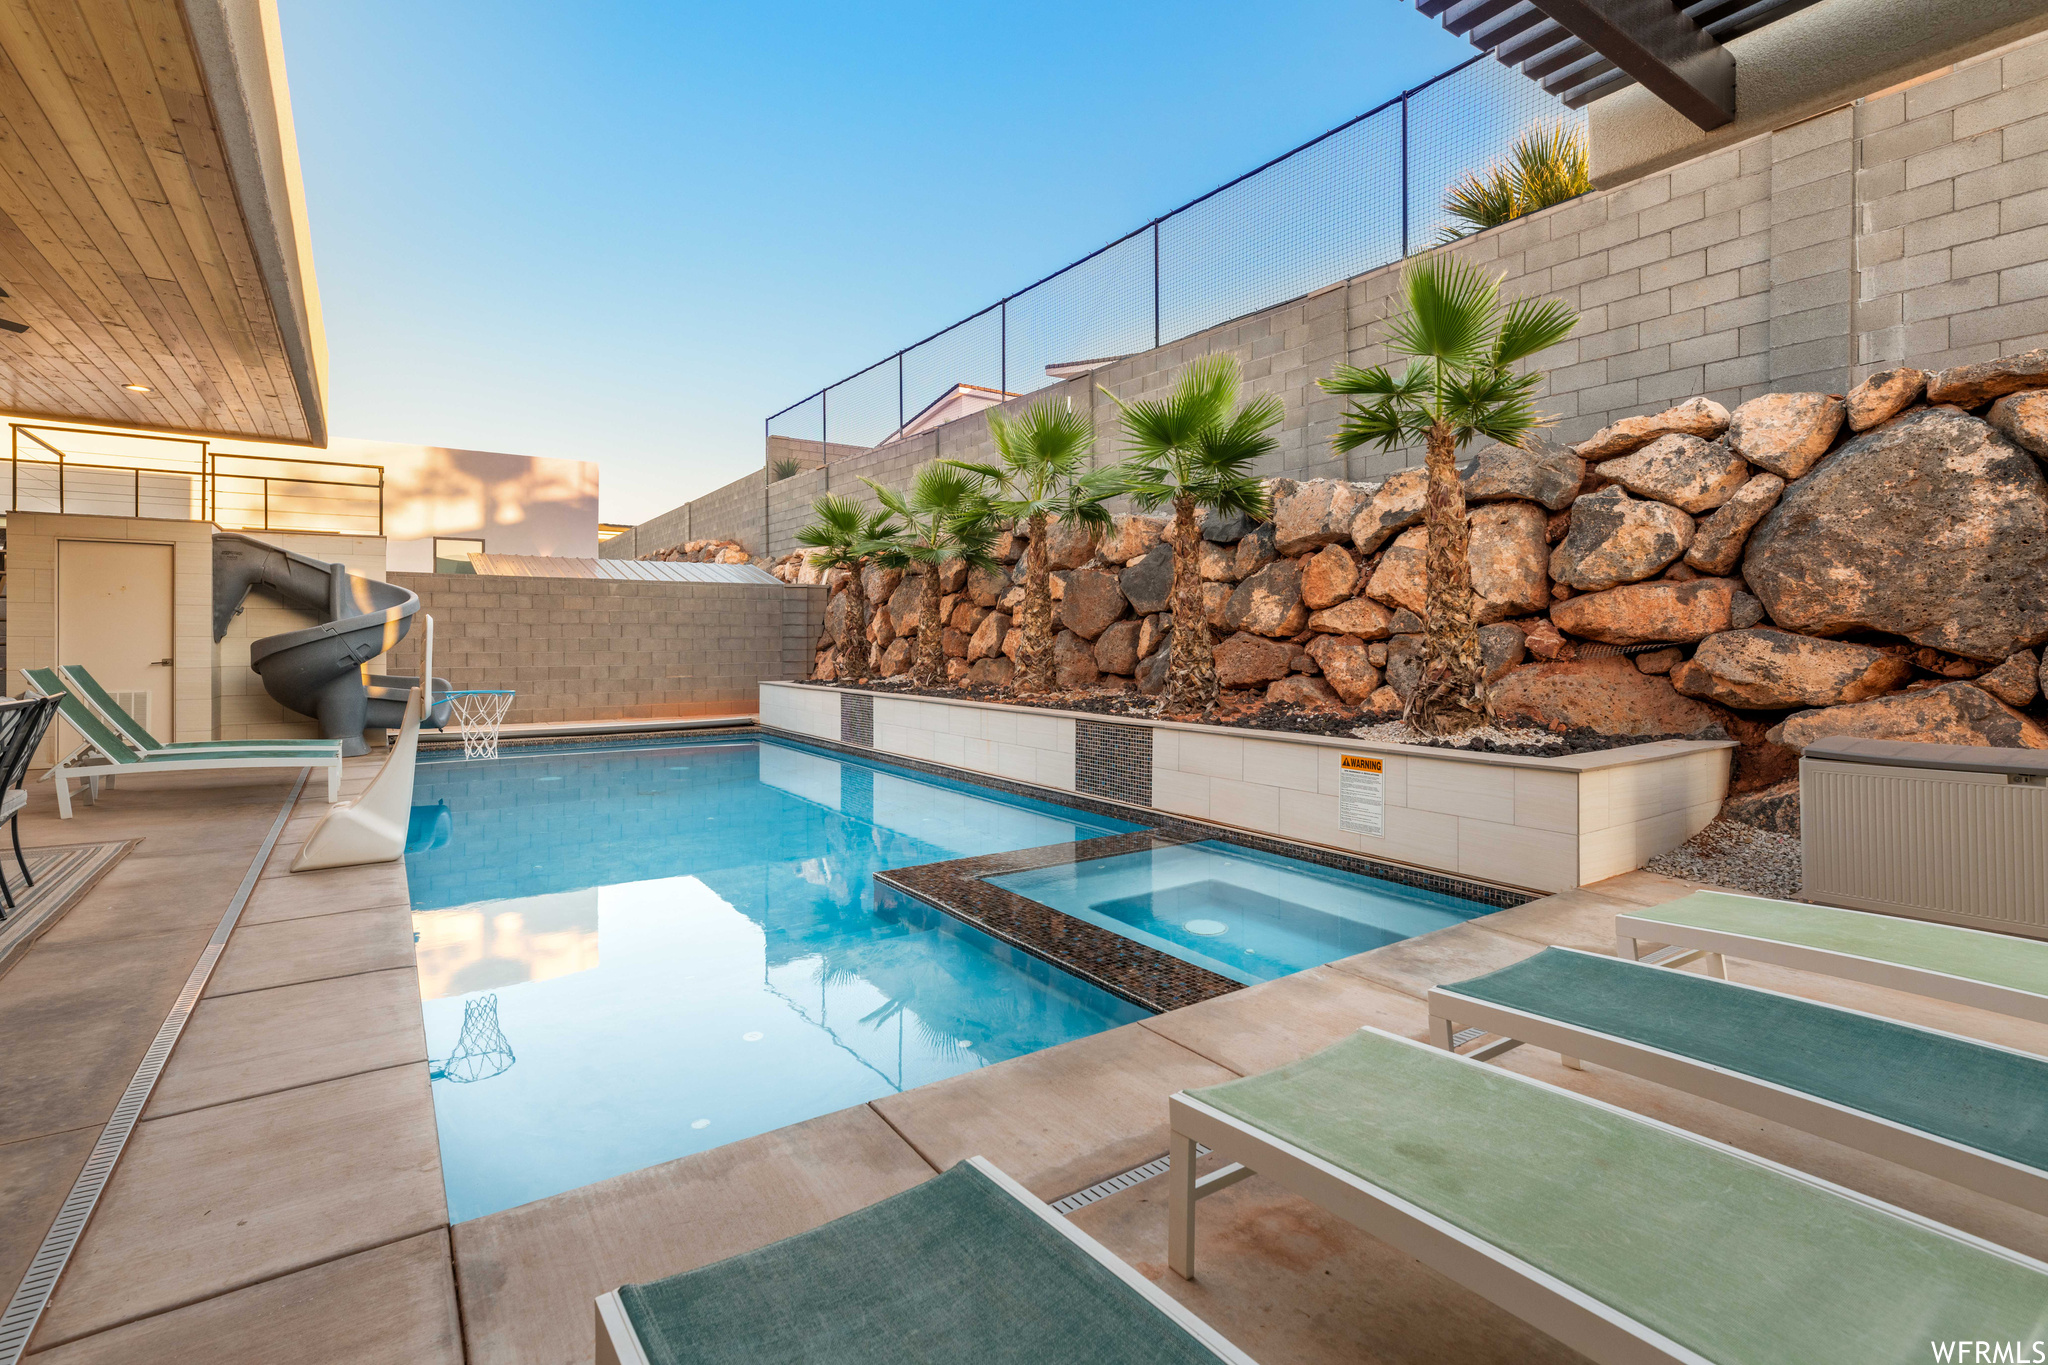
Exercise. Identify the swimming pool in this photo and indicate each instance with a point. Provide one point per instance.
(630, 955)
(1243, 913)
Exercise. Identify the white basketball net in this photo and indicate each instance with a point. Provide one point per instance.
(476, 715)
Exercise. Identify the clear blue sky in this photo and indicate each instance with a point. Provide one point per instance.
(626, 232)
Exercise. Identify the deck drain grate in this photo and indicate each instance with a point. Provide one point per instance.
(1103, 1189)
(1466, 1035)
(25, 1309)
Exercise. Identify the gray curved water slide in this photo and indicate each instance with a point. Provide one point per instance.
(317, 671)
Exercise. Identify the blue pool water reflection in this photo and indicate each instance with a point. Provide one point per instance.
(1242, 913)
(629, 956)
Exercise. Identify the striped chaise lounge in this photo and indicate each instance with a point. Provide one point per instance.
(1624, 1238)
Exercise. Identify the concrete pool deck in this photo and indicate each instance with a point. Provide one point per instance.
(284, 1185)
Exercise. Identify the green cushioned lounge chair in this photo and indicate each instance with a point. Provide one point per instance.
(968, 1267)
(1998, 972)
(1969, 1112)
(104, 756)
(79, 681)
(1624, 1238)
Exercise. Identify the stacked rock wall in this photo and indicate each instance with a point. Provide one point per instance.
(1808, 564)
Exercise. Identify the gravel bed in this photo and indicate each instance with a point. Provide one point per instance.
(1738, 857)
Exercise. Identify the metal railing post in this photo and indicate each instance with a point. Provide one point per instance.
(266, 502)
(899, 391)
(1404, 175)
(1003, 345)
(1155, 286)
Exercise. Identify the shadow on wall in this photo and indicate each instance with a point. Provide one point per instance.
(517, 504)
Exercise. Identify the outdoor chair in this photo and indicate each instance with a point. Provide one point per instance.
(1965, 1111)
(1998, 972)
(1624, 1238)
(22, 725)
(104, 755)
(967, 1266)
(79, 681)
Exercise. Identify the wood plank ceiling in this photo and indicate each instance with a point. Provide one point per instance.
(123, 248)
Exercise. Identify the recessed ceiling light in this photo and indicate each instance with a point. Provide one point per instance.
(136, 388)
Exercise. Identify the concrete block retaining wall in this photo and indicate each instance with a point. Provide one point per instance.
(1543, 824)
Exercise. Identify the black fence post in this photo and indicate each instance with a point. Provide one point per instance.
(1003, 365)
(1404, 174)
(1155, 286)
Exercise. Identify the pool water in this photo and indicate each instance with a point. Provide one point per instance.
(1244, 914)
(631, 955)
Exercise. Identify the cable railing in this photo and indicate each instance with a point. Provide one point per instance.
(1364, 194)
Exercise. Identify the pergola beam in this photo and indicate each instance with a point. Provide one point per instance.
(1661, 47)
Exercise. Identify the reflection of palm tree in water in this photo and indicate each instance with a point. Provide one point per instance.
(481, 1051)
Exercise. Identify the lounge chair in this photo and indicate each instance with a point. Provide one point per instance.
(1624, 1238)
(104, 756)
(79, 681)
(22, 724)
(966, 1267)
(1968, 1112)
(1998, 972)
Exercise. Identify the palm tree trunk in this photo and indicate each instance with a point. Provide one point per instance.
(1191, 672)
(1034, 652)
(1449, 698)
(931, 644)
(857, 655)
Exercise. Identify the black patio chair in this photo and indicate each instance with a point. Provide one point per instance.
(22, 727)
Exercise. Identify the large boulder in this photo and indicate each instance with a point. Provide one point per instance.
(1345, 663)
(2015, 682)
(1774, 808)
(1657, 613)
(987, 641)
(993, 672)
(1501, 647)
(954, 643)
(1394, 507)
(1954, 713)
(2023, 417)
(1536, 471)
(1116, 651)
(879, 583)
(1147, 581)
(906, 603)
(1506, 557)
(1269, 602)
(985, 587)
(839, 618)
(1692, 475)
(1605, 695)
(1216, 563)
(1225, 528)
(1093, 602)
(1718, 540)
(1328, 576)
(1073, 662)
(1771, 670)
(966, 616)
(1884, 396)
(1152, 671)
(1966, 386)
(1070, 544)
(1153, 632)
(1405, 657)
(881, 628)
(1786, 433)
(1216, 604)
(1701, 417)
(952, 577)
(1311, 693)
(1254, 551)
(1317, 513)
(1246, 660)
(1130, 537)
(1401, 577)
(1616, 539)
(1361, 616)
(1933, 527)
(896, 659)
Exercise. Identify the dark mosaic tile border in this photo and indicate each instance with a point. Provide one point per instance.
(1113, 760)
(1124, 967)
(857, 719)
(1185, 828)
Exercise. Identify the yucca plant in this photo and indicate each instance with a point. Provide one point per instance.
(1460, 382)
(1194, 449)
(1042, 473)
(845, 535)
(1546, 166)
(945, 518)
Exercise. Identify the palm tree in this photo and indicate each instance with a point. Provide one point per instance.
(1043, 474)
(1193, 449)
(945, 518)
(1459, 384)
(846, 536)
(1545, 166)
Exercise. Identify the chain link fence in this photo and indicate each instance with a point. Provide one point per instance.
(1364, 194)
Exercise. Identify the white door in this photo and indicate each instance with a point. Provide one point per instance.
(114, 616)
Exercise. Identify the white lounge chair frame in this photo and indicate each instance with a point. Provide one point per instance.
(1530, 1293)
(1631, 932)
(618, 1344)
(1985, 1172)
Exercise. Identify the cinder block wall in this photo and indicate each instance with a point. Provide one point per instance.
(583, 649)
(1907, 227)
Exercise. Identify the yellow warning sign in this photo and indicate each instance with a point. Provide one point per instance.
(1358, 763)
(1361, 797)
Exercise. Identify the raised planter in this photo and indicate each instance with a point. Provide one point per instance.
(1542, 824)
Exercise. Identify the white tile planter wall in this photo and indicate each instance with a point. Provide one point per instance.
(1544, 824)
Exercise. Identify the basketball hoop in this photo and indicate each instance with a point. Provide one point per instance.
(477, 714)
